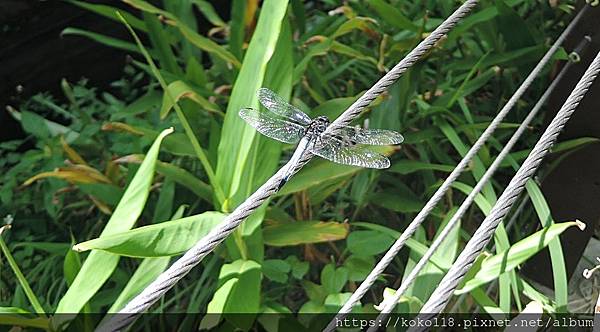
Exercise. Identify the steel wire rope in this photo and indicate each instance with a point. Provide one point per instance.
(206, 245)
(391, 302)
(440, 192)
(441, 295)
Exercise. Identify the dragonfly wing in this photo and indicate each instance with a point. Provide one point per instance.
(337, 151)
(369, 136)
(273, 127)
(277, 105)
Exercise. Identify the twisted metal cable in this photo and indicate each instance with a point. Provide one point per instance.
(482, 236)
(440, 192)
(391, 302)
(218, 234)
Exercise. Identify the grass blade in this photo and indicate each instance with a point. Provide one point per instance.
(35, 303)
(237, 137)
(98, 266)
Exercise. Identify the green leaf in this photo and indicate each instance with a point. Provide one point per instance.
(163, 239)
(110, 12)
(186, 179)
(35, 303)
(368, 243)
(238, 280)
(359, 266)
(180, 89)
(196, 39)
(399, 201)
(333, 279)
(299, 269)
(98, 266)
(319, 171)
(280, 234)
(104, 40)
(13, 316)
(334, 302)
(207, 9)
(147, 272)
(200, 154)
(276, 270)
(237, 137)
(414, 245)
(407, 166)
(493, 266)
(392, 16)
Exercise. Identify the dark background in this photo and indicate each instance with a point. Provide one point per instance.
(35, 57)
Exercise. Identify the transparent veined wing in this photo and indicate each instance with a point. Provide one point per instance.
(277, 105)
(334, 149)
(369, 136)
(273, 127)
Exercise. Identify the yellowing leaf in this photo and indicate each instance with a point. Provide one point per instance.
(280, 234)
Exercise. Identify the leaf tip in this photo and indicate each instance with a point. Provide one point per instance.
(580, 224)
(79, 247)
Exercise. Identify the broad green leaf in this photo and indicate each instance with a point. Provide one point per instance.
(276, 270)
(318, 171)
(399, 201)
(333, 279)
(98, 266)
(299, 268)
(368, 242)
(37, 125)
(359, 266)
(147, 271)
(163, 239)
(266, 153)
(302, 232)
(493, 266)
(414, 245)
(333, 302)
(238, 280)
(236, 136)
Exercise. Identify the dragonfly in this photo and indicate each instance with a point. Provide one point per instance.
(341, 144)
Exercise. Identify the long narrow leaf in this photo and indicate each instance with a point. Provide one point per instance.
(98, 266)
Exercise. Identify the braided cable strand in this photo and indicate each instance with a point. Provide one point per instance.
(208, 243)
(391, 303)
(440, 192)
(410, 59)
(440, 297)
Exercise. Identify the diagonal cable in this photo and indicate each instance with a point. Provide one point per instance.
(439, 194)
(207, 244)
(391, 302)
(441, 295)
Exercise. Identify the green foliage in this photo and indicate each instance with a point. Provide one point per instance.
(96, 174)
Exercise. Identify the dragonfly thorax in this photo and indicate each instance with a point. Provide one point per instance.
(317, 126)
